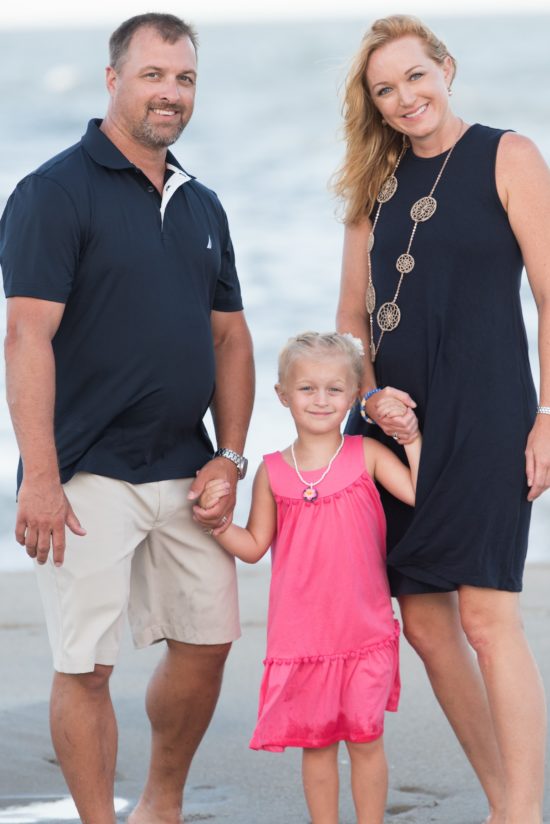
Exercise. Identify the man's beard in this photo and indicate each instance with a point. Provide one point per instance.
(156, 137)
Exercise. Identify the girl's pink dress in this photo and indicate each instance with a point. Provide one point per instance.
(332, 665)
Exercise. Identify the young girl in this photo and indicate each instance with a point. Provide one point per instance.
(332, 648)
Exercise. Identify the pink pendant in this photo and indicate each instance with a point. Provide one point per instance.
(310, 494)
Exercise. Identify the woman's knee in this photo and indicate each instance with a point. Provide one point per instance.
(489, 616)
(430, 621)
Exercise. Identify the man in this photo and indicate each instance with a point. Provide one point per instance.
(124, 325)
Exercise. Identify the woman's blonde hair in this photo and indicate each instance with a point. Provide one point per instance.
(371, 148)
(316, 344)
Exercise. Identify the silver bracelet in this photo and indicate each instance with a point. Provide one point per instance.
(543, 410)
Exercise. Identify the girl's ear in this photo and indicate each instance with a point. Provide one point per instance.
(280, 394)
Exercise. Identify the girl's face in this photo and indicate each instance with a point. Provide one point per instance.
(409, 89)
(319, 391)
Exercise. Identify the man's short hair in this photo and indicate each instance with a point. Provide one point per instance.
(168, 26)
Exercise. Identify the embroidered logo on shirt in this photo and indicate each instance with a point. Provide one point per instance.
(209, 244)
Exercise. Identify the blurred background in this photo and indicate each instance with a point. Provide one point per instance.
(265, 137)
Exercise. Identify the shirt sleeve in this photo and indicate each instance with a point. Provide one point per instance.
(227, 297)
(39, 241)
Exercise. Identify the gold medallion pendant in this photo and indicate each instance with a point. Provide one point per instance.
(423, 209)
(404, 264)
(389, 188)
(388, 316)
(371, 298)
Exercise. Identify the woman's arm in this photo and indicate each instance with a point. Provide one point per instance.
(352, 317)
(523, 183)
(386, 468)
(252, 543)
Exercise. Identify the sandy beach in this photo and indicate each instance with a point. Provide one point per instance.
(430, 780)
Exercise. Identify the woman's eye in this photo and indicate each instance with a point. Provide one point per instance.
(382, 92)
(416, 75)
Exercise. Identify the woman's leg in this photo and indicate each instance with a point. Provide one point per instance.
(320, 777)
(369, 780)
(431, 624)
(493, 625)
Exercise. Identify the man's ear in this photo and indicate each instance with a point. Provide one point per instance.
(110, 79)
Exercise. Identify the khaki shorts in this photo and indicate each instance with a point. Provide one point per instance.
(144, 556)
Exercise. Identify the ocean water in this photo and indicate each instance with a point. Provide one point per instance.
(265, 136)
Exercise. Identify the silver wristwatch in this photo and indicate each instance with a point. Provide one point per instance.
(239, 460)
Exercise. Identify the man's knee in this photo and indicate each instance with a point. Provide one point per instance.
(208, 657)
(94, 682)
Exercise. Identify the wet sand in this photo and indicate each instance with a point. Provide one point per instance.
(430, 780)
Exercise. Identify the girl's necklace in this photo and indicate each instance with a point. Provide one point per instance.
(389, 314)
(310, 493)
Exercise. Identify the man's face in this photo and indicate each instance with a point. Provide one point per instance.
(153, 90)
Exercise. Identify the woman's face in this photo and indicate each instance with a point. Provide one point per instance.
(409, 89)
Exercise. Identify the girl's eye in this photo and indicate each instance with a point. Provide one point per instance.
(416, 75)
(335, 389)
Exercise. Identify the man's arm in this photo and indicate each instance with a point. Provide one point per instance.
(43, 509)
(231, 410)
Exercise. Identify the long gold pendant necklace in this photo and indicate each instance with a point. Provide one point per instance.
(389, 313)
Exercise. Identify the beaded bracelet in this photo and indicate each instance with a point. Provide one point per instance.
(363, 406)
(543, 410)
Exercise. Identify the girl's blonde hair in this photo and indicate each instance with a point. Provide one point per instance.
(371, 148)
(317, 344)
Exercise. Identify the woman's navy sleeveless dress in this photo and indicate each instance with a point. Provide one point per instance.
(460, 350)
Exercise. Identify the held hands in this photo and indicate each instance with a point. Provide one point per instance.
(213, 493)
(392, 410)
(537, 457)
(43, 512)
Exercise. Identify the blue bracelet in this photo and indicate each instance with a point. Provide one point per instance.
(364, 399)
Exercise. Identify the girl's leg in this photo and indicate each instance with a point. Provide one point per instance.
(320, 777)
(431, 624)
(492, 622)
(369, 780)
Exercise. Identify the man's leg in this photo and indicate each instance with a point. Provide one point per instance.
(84, 736)
(184, 589)
(85, 600)
(181, 699)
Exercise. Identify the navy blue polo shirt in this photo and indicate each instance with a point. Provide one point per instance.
(139, 275)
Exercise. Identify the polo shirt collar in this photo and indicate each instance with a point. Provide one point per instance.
(105, 153)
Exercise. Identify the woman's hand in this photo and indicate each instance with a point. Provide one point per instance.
(392, 409)
(537, 457)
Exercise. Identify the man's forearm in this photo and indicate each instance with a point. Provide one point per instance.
(30, 390)
(234, 395)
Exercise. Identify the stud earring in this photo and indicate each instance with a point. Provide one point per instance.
(449, 91)
(384, 122)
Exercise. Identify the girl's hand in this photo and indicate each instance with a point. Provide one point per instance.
(212, 492)
(391, 408)
(383, 407)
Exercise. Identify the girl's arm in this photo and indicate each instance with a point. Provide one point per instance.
(252, 543)
(393, 474)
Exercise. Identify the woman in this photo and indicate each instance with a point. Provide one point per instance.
(440, 217)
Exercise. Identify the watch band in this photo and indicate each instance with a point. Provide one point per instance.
(239, 460)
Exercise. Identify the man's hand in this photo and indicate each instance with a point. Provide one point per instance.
(537, 457)
(43, 511)
(218, 517)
